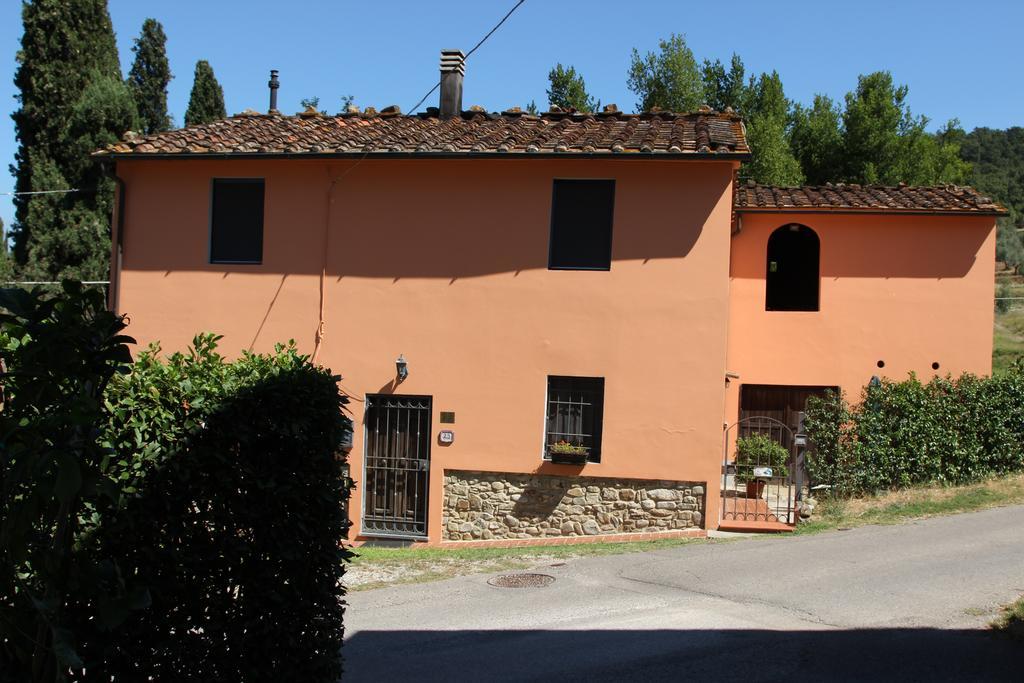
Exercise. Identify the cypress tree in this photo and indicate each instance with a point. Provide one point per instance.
(72, 101)
(206, 103)
(149, 77)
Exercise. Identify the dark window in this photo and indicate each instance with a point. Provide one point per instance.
(236, 221)
(581, 225)
(575, 410)
(792, 273)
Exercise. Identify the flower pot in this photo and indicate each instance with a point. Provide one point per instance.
(568, 458)
(755, 488)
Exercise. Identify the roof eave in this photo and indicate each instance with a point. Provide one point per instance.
(872, 210)
(678, 156)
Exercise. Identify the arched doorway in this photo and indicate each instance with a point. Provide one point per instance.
(792, 277)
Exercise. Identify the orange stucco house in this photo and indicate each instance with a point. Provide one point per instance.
(549, 325)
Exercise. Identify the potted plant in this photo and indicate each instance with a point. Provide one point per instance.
(759, 451)
(567, 453)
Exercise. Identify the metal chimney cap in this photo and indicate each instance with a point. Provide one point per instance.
(453, 60)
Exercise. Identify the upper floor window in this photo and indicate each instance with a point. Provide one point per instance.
(581, 225)
(236, 221)
(792, 273)
(575, 417)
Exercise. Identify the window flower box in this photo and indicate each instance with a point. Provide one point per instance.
(568, 454)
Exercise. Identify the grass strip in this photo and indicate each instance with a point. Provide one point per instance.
(1011, 620)
(896, 507)
(416, 565)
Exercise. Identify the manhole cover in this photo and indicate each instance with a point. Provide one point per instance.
(521, 580)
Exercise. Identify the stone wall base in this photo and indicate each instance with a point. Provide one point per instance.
(487, 506)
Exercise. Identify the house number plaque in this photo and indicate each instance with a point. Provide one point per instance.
(446, 436)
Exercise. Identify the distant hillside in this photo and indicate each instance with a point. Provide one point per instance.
(998, 160)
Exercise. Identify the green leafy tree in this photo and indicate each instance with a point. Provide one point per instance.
(725, 87)
(206, 103)
(997, 162)
(69, 83)
(568, 90)
(816, 140)
(768, 116)
(669, 79)
(531, 108)
(149, 77)
(883, 142)
(875, 116)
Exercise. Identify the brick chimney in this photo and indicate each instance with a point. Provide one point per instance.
(453, 69)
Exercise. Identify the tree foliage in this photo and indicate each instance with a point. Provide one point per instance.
(767, 111)
(669, 79)
(60, 354)
(725, 88)
(816, 139)
(873, 138)
(149, 76)
(997, 159)
(884, 143)
(69, 82)
(568, 91)
(307, 102)
(206, 102)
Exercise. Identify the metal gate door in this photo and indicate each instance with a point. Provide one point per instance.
(756, 491)
(397, 469)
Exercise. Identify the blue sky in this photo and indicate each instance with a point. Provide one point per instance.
(959, 59)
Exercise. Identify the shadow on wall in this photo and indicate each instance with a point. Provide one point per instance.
(874, 246)
(449, 221)
(536, 504)
(904, 654)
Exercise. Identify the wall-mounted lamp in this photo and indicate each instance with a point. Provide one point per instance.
(402, 367)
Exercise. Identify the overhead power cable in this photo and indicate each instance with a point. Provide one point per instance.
(437, 85)
(55, 282)
(19, 194)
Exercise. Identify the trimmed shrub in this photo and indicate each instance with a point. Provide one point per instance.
(231, 517)
(901, 434)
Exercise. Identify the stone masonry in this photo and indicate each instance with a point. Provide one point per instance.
(502, 506)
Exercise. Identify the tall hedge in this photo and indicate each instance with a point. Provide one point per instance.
(899, 434)
(230, 516)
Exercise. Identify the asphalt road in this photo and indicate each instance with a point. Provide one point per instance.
(904, 603)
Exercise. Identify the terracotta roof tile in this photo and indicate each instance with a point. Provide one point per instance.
(705, 133)
(752, 197)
